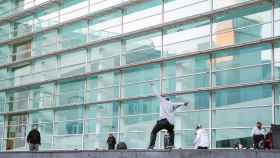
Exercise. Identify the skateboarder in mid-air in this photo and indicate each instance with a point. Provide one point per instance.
(167, 109)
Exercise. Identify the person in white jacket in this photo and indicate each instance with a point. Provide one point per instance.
(201, 140)
(167, 109)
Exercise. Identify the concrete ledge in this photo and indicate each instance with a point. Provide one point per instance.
(146, 154)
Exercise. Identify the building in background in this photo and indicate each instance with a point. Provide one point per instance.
(81, 69)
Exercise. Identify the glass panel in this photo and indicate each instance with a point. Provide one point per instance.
(71, 142)
(233, 66)
(72, 9)
(5, 78)
(23, 26)
(18, 101)
(103, 87)
(277, 115)
(47, 17)
(44, 69)
(177, 9)
(5, 10)
(227, 138)
(4, 32)
(71, 92)
(243, 97)
(263, 114)
(99, 5)
(15, 144)
(2, 102)
(277, 18)
(140, 139)
(105, 56)
(136, 80)
(186, 74)
(69, 114)
(185, 38)
(22, 75)
(217, 4)
(239, 26)
(69, 127)
(277, 60)
(43, 96)
(72, 63)
(142, 15)
(21, 51)
(45, 43)
(41, 117)
(74, 35)
(277, 95)
(5, 53)
(102, 118)
(103, 26)
(143, 48)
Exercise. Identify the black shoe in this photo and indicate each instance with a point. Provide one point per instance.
(150, 148)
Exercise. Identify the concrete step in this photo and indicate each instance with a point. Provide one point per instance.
(146, 154)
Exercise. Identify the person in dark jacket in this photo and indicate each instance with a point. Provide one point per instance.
(111, 141)
(34, 139)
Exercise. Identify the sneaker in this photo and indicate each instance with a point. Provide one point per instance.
(170, 147)
(150, 148)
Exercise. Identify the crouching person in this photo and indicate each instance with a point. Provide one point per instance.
(34, 139)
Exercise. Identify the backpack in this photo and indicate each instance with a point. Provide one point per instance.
(121, 146)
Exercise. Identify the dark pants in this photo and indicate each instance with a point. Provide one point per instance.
(162, 124)
(111, 147)
(200, 147)
(257, 139)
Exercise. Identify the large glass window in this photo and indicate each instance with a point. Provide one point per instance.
(101, 120)
(243, 97)
(277, 110)
(4, 32)
(136, 80)
(73, 63)
(5, 10)
(137, 120)
(23, 26)
(2, 101)
(103, 87)
(44, 69)
(239, 26)
(21, 51)
(277, 59)
(44, 43)
(103, 26)
(1, 132)
(142, 15)
(5, 54)
(105, 56)
(71, 92)
(74, 34)
(98, 5)
(5, 78)
(21, 75)
(217, 4)
(176, 9)
(42, 96)
(233, 66)
(68, 128)
(277, 18)
(18, 100)
(186, 74)
(47, 17)
(142, 48)
(185, 38)
(72, 9)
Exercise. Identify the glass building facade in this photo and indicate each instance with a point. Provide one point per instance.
(80, 69)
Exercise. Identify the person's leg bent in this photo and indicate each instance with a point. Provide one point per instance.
(171, 134)
(154, 132)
